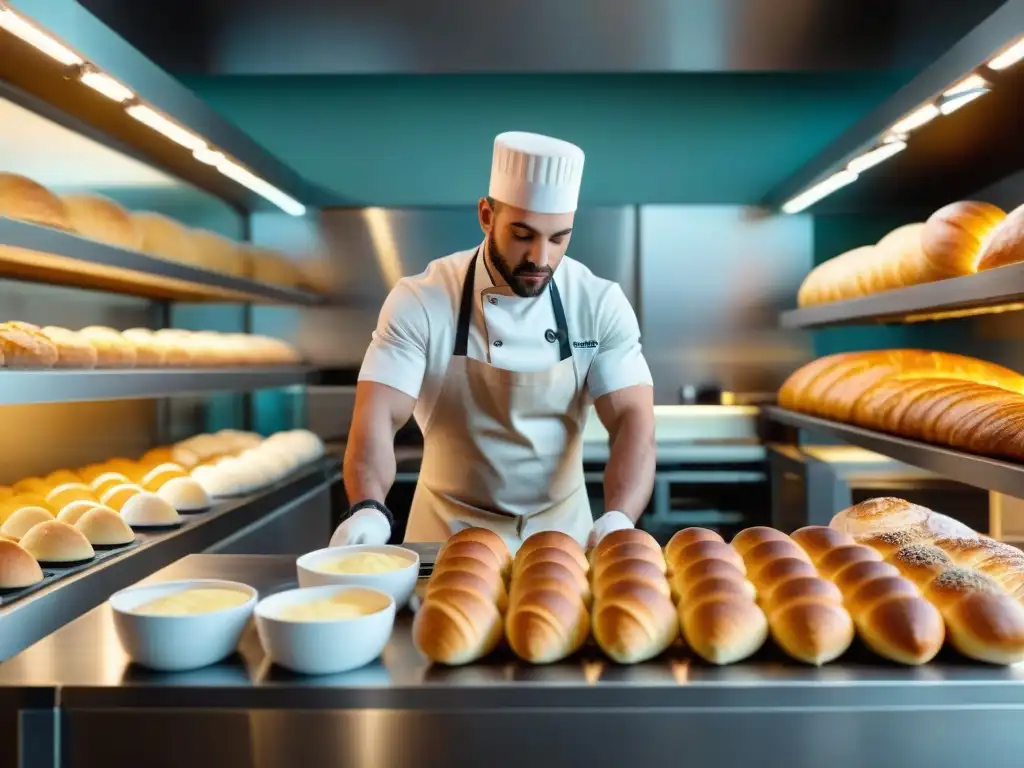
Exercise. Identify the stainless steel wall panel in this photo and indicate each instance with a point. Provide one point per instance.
(713, 280)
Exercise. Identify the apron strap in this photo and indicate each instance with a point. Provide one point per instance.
(466, 314)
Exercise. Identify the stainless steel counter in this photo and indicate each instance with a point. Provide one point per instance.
(402, 711)
(228, 524)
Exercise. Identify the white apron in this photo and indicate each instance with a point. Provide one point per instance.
(503, 450)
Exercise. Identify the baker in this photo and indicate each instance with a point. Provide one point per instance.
(499, 352)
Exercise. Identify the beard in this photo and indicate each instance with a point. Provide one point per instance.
(512, 275)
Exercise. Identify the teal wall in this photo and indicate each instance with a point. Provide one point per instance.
(405, 140)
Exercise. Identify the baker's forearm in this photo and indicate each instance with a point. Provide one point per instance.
(369, 469)
(629, 476)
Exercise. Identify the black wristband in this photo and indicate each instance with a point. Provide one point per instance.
(371, 504)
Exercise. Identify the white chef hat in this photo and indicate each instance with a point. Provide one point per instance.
(536, 173)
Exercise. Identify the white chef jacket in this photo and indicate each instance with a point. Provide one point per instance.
(415, 335)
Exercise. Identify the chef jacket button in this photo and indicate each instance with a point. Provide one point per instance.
(492, 299)
(498, 343)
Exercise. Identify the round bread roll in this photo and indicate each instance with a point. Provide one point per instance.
(23, 199)
(850, 579)
(73, 350)
(903, 628)
(749, 538)
(632, 569)
(102, 483)
(717, 587)
(555, 539)
(165, 238)
(547, 625)
(54, 541)
(22, 521)
(23, 345)
(921, 563)
(19, 501)
(686, 537)
(153, 477)
(623, 536)
(456, 627)
(869, 593)
(473, 549)
(709, 550)
(833, 563)
(627, 552)
(169, 352)
(117, 496)
(818, 540)
(100, 218)
(468, 581)
(62, 477)
(147, 510)
(112, 349)
(73, 512)
(34, 485)
(986, 626)
(779, 571)
(802, 589)
(103, 527)
(633, 622)
(6, 492)
(542, 573)
(812, 632)
(724, 631)
(489, 539)
(62, 495)
(488, 574)
(18, 569)
(696, 572)
(185, 494)
(1006, 243)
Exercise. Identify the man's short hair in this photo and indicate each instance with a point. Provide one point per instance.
(494, 204)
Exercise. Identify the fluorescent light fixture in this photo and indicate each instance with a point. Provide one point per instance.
(916, 119)
(949, 106)
(262, 188)
(208, 156)
(1009, 57)
(38, 39)
(162, 125)
(818, 191)
(875, 156)
(108, 86)
(968, 84)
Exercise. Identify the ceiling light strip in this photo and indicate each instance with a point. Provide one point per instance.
(116, 91)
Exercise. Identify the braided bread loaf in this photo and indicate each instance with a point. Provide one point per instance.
(720, 620)
(460, 620)
(976, 583)
(936, 397)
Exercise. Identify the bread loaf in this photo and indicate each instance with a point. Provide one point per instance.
(949, 244)
(100, 218)
(982, 621)
(21, 198)
(18, 569)
(1006, 243)
(627, 552)
(547, 623)
(817, 540)
(112, 349)
(543, 574)
(73, 350)
(215, 252)
(165, 238)
(633, 622)
(624, 536)
(804, 617)
(471, 549)
(23, 345)
(937, 397)
(685, 579)
(494, 587)
(724, 630)
(630, 569)
(456, 626)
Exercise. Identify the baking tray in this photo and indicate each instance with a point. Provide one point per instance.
(54, 573)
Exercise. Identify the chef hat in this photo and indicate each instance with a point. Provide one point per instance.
(536, 173)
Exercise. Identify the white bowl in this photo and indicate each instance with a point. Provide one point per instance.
(322, 647)
(179, 643)
(399, 583)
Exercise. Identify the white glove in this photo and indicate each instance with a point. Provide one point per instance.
(605, 524)
(366, 526)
